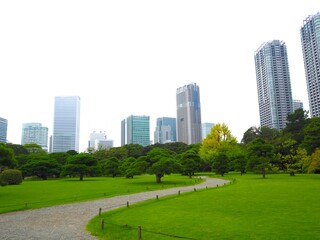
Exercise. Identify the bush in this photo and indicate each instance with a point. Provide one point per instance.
(11, 177)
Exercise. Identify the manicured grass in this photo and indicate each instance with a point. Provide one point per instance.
(278, 207)
(40, 193)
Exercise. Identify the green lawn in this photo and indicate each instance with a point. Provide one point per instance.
(40, 193)
(278, 207)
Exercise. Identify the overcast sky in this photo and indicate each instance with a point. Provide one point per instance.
(129, 57)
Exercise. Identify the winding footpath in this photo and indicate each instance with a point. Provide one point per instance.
(67, 222)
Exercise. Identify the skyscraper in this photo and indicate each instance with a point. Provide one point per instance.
(98, 140)
(66, 124)
(3, 130)
(188, 114)
(310, 40)
(165, 130)
(297, 104)
(135, 130)
(273, 84)
(35, 133)
(206, 129)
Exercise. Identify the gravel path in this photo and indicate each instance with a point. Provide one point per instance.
(67, 222)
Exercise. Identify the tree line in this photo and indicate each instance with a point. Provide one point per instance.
(294, 149)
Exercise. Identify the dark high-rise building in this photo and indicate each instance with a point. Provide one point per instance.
(188, 114)
(66, 124)
(310, 40)
(273, 84)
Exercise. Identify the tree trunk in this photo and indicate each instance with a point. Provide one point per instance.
(158, 178)
(263, 173)
(81, 177)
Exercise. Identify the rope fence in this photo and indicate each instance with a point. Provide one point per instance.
(139, 229)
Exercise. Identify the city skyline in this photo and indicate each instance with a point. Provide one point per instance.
(130, 57)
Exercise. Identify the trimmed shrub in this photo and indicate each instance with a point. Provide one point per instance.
(11, 177)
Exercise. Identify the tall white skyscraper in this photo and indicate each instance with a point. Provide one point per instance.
(310, 40)
(66, 124)
(273, 84)
(188, 114)
(35, 133)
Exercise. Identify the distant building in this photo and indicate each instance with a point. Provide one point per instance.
(165, 130)
(297, 104)
(3, 130)
(273, 84)
(66, 124)
(310, 40)
(188, 114)
(35, 133)
(206, 129)
(135, 130)
(98, 140)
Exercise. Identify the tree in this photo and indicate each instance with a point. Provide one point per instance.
(315, 162)
(33, 148)
(7, 158)
(81, 164)
(311, 132)
(60, 157)
(264, 132)
(110, 166)
(190, 162)
(42, 168)
(17, 149)
(260, 154)
(221, 163)
(219, 138)
(134, 150)
(296, 122)
(160, 162)
(237, 158)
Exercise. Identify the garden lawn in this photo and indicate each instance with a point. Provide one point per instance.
(44, 193)
(278, 207)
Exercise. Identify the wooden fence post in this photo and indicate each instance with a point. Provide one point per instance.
(139, 233)
(127, 204)
(102, 224)
(99, 212)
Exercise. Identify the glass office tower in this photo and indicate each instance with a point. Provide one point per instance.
(35, 133)
(273, 84)
(135, 130)
(66, 124)
(310, 40)
(3, 130)
(165, 130)
(188, 114)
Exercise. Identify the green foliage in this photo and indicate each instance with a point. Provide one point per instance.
(17, 149)
(311, 132)
(42, 167)
(190, 162)
(110, 167)
(314, 166)
(296, 123)
(221, 163)
(11, 177)
(265, 133)
(7, 158)
(33, 148)
(260, 153)
(81, 164)
(132, 166)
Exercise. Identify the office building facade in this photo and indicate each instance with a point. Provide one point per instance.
(66, 124)
(35, 133)
(3, 130)
(165, 130)
(188, 114)
(98, 140)
(273, 84)
(310, 40)
(206, 129)
(297, 104)
(135, 130)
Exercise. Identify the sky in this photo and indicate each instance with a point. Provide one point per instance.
(127, 57)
